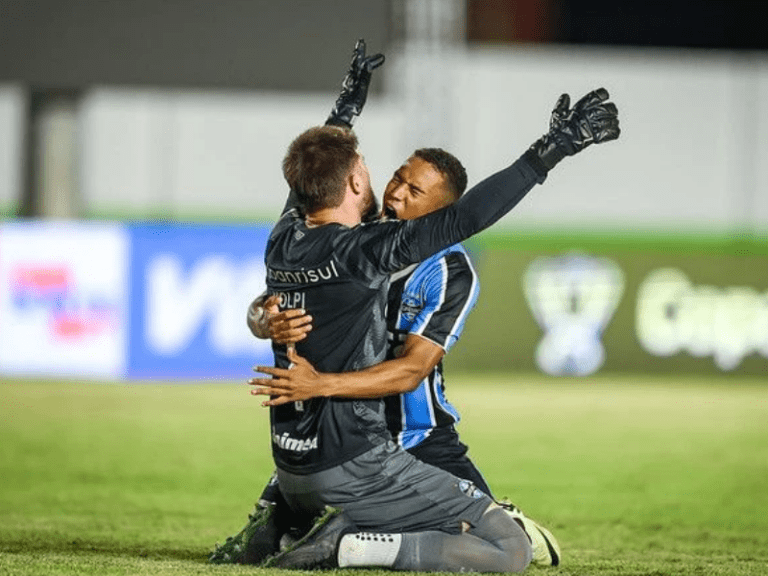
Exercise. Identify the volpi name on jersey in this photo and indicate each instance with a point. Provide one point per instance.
(291, 299)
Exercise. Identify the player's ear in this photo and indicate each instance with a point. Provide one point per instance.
(355, 181)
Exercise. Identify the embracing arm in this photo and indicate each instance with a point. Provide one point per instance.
(257, 317)
(302, 381)
(267, 322)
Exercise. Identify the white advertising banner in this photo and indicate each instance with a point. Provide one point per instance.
(63, 299)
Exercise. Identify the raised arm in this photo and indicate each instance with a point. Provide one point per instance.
(354, 88)
(592, 120)
(349, 104)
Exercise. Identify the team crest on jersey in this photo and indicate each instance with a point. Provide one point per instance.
(411, 307)
(470, 489)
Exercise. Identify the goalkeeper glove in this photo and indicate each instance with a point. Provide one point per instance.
(354, 88)
(592, 120)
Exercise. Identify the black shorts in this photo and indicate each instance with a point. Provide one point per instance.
(443, 449)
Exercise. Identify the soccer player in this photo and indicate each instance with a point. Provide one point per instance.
(338, 452)
(427, 307)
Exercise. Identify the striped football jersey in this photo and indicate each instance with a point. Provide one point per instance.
(432, 300)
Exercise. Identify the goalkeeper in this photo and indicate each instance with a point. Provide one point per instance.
(591, 120)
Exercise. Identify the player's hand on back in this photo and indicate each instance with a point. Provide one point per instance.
(592, 120)
(354, 88)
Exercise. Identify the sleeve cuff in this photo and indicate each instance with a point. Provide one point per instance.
(535, 162)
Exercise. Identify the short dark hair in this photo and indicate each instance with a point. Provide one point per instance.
(317, 165)
(448, 165)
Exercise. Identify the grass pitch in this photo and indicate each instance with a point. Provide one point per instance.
(635, 476)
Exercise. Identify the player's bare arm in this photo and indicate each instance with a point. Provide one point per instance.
(257, 317)
(302, 382)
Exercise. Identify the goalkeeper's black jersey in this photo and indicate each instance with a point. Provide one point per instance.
(340, 275)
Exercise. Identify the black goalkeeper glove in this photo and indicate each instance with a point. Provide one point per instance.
(354, 89)
(592, 120)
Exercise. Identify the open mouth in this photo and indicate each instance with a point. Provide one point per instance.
(390, 213)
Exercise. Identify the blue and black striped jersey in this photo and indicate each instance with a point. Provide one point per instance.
(431, 300)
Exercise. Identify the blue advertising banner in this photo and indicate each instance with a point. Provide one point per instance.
(190, 288)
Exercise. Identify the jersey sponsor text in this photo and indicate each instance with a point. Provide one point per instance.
(304, 276)
(287, 442)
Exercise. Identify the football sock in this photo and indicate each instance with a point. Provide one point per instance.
(366, 549)
(496, 544)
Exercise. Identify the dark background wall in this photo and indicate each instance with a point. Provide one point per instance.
(267, 44)
(729, 24)
(297, 44)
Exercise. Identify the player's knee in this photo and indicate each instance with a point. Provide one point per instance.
(518, 548)
(498, 527)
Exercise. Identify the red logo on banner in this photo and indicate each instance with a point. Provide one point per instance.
(72, 315)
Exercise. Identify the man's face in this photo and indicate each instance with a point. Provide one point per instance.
(416, 188)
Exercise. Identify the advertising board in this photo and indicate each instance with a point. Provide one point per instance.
(168, 301)
(190, 288)
(63, 299)
(585, 307)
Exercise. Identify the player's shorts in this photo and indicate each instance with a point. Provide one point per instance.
(443, 449)
(388, 490)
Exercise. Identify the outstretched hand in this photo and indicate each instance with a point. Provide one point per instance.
(592, 120)
(362, 63)
(354, 88)
(299, 382)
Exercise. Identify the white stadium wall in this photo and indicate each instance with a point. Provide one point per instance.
(695, 133)
(686, 155)
(690, 156)
(206, 155)
(760, 152)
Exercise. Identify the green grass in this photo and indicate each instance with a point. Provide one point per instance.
(635, 476)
